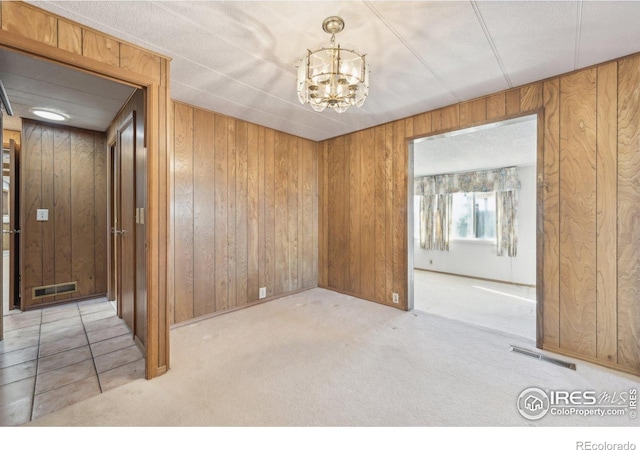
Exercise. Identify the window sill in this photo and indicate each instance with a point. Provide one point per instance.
(473, 241)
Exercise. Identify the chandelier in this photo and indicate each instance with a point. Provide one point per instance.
(333, 77)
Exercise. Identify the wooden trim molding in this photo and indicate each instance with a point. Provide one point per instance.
(137, 69)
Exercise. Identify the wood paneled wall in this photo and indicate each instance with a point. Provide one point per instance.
(589, 206)
(33, 23)
(245, 213)
(30, 29)
(64, 171)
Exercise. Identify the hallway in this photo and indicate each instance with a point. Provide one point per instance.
(56, 356)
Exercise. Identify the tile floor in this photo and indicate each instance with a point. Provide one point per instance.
(56, 356)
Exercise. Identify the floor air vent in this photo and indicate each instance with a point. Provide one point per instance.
(55, 289)
(532, 354)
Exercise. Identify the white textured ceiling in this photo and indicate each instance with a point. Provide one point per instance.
(237, 58)
(503, 144)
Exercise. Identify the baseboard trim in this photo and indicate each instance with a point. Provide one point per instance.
(477, 278)
(590, 359)
(227, 311)
(401, 307)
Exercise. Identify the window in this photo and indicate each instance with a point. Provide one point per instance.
(474, 215)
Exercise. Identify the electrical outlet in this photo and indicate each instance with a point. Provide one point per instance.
(395, 297)
(263, 292)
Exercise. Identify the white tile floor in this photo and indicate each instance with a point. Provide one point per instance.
(56, 356)
(504, 307)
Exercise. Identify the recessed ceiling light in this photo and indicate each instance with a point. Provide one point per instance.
(49, 115)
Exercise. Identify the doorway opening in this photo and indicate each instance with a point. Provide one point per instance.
(472, 225)
(64, 341)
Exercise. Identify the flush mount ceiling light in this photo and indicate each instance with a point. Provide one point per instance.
(49, 115)
(333, 77)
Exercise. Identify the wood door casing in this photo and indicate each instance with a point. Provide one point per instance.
(14, 223)
(127, 259)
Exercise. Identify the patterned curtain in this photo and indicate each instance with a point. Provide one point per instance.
(436, 199)
(435, 221)
(495, 180)
(507, 223)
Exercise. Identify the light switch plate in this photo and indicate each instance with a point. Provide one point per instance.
(42, 215)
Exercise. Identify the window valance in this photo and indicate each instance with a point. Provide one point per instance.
(494, 180)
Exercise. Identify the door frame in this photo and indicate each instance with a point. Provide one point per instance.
(156, 329)
(539, 113)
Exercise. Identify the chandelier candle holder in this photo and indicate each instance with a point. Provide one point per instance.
(333, 77)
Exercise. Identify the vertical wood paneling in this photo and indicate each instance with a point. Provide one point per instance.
(231, 212)
(63, 173)
(531, 97)
(100, 47)
(292, 215)
(496, 106)
(629, 213)
(270, 211)
(512, 101)
(255, 150)
(389, 164)
(336, 213)
(300, 216)
(353, 277)
(83, 212)
(588, 201)
(139, 61)
(446, 118)
(281, 239)
(100, 201)
(204, 273)
(551, 204)
(69, 37)
(400, 210)
(606, 182)
(421, 124)
(183, 166)
(323, 204)
(47, 201)
(367, 210)
(162, 216)
(241, 214)
(24, 20)
(172, 229)
(254, 218)
(379, 207)
(308, 223)
(62, 205)
(577, 212)
(220, 214)
(31, 237)
(473, 112)
(313, 148)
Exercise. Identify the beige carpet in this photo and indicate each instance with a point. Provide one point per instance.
(320, 358)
